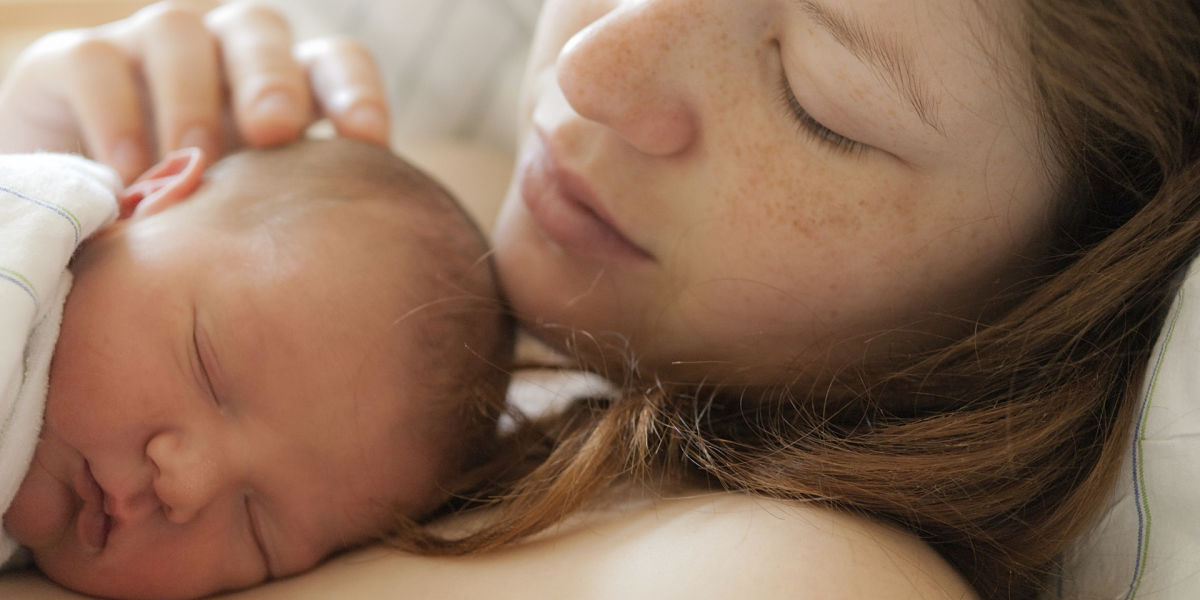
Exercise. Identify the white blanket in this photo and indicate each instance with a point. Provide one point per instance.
(49, 203)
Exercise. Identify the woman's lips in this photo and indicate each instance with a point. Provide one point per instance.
(93, 524)
(565, 210)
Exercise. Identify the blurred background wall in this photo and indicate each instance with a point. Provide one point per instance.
(23, 21)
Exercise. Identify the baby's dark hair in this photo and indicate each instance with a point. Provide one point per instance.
(444, 278)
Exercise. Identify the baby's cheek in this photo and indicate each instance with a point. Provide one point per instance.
(155, 566)
(41, 510)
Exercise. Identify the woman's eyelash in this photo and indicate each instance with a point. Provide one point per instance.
(814, 127)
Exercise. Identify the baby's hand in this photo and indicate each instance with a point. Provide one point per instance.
(173, 75)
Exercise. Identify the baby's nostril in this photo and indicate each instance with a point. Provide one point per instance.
(132, 507)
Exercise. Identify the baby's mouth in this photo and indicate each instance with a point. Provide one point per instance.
(93, 523)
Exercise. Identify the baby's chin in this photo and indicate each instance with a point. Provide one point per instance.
(118, 582)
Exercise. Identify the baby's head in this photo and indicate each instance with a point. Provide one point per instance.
(259, 367)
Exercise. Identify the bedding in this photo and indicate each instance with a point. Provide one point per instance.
(1146, 544)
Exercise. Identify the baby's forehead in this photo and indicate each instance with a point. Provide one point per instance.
(342, 208)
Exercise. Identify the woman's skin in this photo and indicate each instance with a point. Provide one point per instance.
(93, 88)
(703, 184)
(714, 546)
(680, 200)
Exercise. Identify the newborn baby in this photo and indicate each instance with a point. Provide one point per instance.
(259, 364)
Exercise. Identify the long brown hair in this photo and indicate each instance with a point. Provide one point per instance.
(997, 448)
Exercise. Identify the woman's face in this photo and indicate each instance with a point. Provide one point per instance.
(709, 184)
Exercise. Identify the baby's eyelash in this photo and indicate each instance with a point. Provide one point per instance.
(212, 392)
(814, 127)
(258, 540)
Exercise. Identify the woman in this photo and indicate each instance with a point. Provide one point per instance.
(902, 258)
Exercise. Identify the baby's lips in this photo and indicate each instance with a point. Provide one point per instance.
(93, 527)
(92, 524)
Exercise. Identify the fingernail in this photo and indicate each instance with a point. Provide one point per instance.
(367, 118)
(197, 137)
(275, 104)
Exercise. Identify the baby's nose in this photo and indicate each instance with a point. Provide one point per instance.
(189, 476)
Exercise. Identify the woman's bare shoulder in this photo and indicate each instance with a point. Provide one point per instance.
(731, 545)
(706, 546)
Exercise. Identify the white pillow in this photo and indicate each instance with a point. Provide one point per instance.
(1146, 545)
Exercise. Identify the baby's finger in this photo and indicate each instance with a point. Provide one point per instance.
(181, 65)
(347, 87)
(270, 95)
(103, 91)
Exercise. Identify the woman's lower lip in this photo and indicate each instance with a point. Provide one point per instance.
(93, 524)
(567, 222)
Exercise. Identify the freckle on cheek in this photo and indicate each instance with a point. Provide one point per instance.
(819, 207)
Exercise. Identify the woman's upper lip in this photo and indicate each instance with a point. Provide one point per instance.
(580, 190)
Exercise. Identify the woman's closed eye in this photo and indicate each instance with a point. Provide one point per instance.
(816, 129)
(813, 127)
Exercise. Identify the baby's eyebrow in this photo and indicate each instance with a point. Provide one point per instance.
(890, 59)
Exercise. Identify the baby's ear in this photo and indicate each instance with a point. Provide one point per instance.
(165, 184)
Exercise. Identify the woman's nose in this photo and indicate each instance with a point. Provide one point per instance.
(190, 474)
(626, 71)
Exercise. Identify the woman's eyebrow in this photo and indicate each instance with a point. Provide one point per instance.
(890, 59)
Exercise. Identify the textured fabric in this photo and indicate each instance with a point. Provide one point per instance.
(48, 205)
(452, 68)
(1146, 545)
